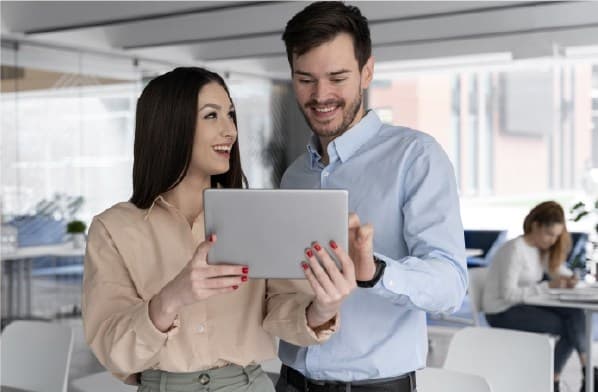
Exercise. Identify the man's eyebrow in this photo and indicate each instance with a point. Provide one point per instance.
(334, 73)
(302, 73)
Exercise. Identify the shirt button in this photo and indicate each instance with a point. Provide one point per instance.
(203, 379)
(201, 328)
(326, 174)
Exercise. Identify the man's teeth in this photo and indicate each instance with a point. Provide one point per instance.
(325, 110)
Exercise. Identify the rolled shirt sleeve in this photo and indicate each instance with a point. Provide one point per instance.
(433, 277)
(287, 302)
(116, 320)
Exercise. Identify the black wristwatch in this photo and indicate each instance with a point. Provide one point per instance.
(380, 266)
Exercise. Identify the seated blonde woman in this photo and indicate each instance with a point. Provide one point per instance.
(516, 273)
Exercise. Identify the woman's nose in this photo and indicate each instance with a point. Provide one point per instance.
(229, 130)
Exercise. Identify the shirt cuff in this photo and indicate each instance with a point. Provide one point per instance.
(147, 331)
(309, 336)
(394, 279)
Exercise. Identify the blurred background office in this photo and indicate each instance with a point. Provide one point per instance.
(509, 89)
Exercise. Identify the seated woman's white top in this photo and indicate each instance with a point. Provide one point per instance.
(514, 275)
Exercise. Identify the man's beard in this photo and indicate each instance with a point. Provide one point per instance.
(349, 114)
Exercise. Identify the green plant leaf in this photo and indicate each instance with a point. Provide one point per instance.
(580, 215)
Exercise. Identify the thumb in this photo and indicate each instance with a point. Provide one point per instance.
(201, 253)
(365, 232)
(354, 221)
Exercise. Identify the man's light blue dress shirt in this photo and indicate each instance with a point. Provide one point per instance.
(401, 181)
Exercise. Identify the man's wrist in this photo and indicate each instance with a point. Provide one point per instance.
(379, 272)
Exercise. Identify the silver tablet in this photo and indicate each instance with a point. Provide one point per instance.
(269, 229)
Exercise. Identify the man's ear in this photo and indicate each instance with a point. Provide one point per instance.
(367, 73)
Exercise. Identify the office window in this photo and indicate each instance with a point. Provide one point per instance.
(67, 129)
(516, 134)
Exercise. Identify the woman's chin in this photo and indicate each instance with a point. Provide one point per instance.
(219, 171)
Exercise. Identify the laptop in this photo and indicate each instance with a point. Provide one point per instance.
(587, 295)
(269, 229)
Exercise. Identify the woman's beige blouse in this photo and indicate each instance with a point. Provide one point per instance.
(131, 254)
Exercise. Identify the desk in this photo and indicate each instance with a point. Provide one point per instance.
(589, 308)
(16, 269)
(471, 252)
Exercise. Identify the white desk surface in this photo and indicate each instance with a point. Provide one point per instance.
(27, 252)
(552, 299)
(472, 252)
(589, 308)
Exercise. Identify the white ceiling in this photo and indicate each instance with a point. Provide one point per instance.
(245, 36)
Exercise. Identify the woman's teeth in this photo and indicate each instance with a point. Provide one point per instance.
(222, 148)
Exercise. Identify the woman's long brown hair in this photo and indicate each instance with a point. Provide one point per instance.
(546, 214)
(164, 134)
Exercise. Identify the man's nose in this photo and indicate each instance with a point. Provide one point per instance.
(321, 91)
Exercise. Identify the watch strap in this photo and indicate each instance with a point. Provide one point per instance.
(380, 266)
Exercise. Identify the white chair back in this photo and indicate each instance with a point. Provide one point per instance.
(477, 280)
(36, 356)
(509, 360)
(101, 382)
(435, 380)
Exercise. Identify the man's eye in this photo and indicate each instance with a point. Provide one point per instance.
(338, 80)
(305, 81)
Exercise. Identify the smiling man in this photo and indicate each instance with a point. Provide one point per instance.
(399, 180)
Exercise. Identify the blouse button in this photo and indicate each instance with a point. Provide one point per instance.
(200, 328)
(203, 379)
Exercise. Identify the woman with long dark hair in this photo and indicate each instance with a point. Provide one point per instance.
(517, 272)
(154, 312)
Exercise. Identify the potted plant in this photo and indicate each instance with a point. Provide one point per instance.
(76, 229)
(581, 211)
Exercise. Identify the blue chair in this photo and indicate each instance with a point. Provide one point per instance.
(577, 255)
(39, 230)
(488, 241)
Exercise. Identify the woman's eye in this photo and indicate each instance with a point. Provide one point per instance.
(232, 114)
(210, 115)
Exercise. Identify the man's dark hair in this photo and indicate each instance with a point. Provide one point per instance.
(321, 22)
(164, 132)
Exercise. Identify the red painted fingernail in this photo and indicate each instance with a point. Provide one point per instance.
(245, 270)
(235, 287)
(317, 247)
(333, 244)
(211, 238)
(304, 266)
(309, 253)
(243, 278)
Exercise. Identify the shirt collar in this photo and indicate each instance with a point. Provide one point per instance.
(348, 143)
(158, 199)
(312, 150)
